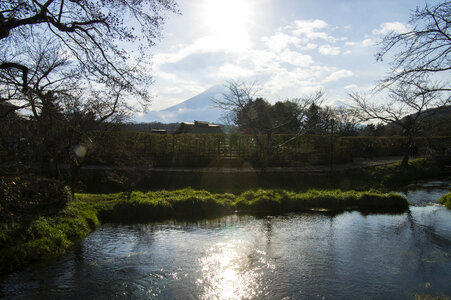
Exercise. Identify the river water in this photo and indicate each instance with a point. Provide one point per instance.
(295, 256)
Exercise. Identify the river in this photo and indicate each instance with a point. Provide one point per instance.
(344, 255)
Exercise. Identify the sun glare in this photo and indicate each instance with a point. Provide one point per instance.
(229, 20)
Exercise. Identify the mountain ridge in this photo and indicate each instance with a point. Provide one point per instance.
(200, 107)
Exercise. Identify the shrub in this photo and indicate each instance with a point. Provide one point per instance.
(26, 196)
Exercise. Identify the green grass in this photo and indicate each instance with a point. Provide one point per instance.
(44, 238)
(152, 206)
(387, 176)
(446, 200)
(189, 203)
(395, 175)
(285, 201)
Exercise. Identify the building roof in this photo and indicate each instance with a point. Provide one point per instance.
(199, 127)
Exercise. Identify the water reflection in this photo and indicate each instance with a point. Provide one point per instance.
(295, 256)
(231, 270)
(425, 193)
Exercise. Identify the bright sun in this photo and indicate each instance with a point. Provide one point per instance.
(228, 20)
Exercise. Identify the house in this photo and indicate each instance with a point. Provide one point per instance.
(198, 127)
(158, 131)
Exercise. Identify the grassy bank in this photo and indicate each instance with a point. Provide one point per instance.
(189, 203)
(47, 233)
(44, 238)
(395, 175)
(446, 200)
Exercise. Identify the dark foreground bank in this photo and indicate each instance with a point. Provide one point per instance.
(347, 177)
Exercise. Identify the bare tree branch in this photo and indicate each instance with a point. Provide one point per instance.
(423, 51)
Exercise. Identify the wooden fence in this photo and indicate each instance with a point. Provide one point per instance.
(202, 150)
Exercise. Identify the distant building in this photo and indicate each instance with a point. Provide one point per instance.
(199, 127)
(159, 131)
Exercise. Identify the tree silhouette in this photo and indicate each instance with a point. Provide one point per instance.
(423, 51)
(261, 119)
(105, 41)
(407, 106)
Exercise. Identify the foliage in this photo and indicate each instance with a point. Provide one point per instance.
(318, 120)
(446, 200)
(71, 65)
(261, 116)
(44, 238)
(27, 196)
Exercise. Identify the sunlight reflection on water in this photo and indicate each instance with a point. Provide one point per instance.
(231, 271)
(295, 256)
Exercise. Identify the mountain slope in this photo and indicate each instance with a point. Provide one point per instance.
(200, 107)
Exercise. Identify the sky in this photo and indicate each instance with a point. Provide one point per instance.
(290, 48)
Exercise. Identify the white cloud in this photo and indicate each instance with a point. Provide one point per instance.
(351, 44)
(309, 29)
(367, 42)
(280, 41)
(329, 50)
(292, 84)
(164, 75)
(350, 87)
(309, 46)
(296, 58)
(238, 43)
(337, 75)
(388, 27)
(232, 71)
(173, 90)
(282, 62)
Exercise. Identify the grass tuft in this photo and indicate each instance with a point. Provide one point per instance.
(446, 200)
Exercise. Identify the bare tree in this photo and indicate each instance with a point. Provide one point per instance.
(244, 108)
(64, 119)
(106, 41)
(238, 94)
(346, 121)
(406, 107)
(422, 52)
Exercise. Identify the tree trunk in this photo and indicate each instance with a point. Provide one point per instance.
(267, 151)
(409, 143)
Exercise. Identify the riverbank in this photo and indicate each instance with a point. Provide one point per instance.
(361, 175)
(40, 238)
(446, 200)
(45, 238)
